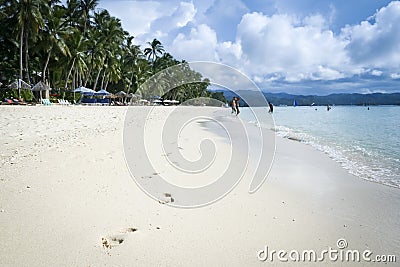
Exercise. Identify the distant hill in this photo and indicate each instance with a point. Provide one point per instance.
(307, 100)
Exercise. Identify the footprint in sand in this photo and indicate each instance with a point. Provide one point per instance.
(166, 198)
(115, 240)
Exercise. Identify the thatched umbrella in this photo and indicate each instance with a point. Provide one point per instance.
(19, 84)
(121, 94)
(39, 87)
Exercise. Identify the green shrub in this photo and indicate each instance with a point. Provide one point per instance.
(27, 95)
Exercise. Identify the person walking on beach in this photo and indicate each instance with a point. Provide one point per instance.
(233, 104)
(237, 106)
(271, 108)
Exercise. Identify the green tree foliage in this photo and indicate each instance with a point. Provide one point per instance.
(219, 96)
(77, 44)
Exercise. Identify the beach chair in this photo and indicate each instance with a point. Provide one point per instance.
(18, 102)
(7, 102)
(46, 102)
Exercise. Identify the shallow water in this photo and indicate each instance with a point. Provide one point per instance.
(365, 142)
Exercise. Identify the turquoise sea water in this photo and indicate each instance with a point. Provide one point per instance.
(365, 142)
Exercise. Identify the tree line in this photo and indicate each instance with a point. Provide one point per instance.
(79, 44)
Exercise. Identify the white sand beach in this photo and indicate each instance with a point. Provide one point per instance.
(67, 198)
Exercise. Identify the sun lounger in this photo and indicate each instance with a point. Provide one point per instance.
(46, 102)
(8, 101)
(63, 102)
(18, 102)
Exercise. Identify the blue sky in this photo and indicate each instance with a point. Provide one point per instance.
(303, 47)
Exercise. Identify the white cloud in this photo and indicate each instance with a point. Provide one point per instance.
(376, 73)
(184, 14)
(180, 17)
(288, 48)
(376, 43)
(278, 47)
(200, 44)
(395, 76)
(300, 49)
(229, 52)
(151, 19)
(136, 16)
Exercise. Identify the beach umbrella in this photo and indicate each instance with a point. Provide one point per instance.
(133, 95)
(82, 89)
(91, 92)
(40, 86)
(121, 94)
(102, 92)
(19, 84)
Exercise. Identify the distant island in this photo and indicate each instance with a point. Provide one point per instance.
(284, 99)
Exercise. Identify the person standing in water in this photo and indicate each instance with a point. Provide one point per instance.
(271, 108)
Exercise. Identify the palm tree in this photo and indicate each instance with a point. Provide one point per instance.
(30, 20)
(85, 7)
(55, 31)
(132, 53)
(77, 46)
(110, 36)
(155, 48)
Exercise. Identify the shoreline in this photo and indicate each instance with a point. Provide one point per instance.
(67, 187)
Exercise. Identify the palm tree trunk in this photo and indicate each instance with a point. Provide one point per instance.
(97, 79)
(21, 66)
(87, 77)
(74, 79)
(129, 87)
(102, 80)
(69, 73)
(27, 59)
(45, 66)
